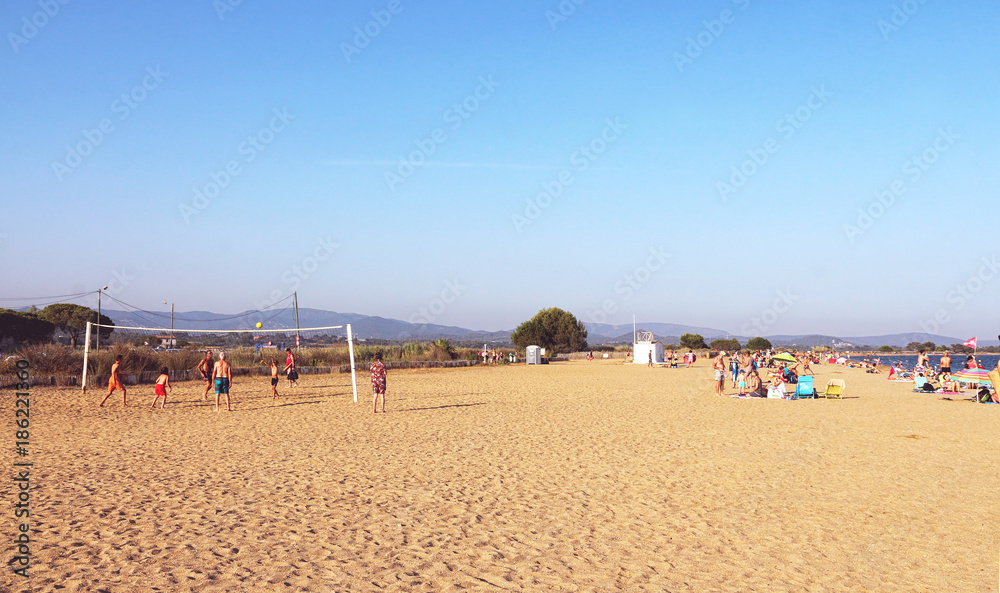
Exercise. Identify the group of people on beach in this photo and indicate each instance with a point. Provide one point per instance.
(219, 373)
(924, 374)
(744, 372)
(497, 357)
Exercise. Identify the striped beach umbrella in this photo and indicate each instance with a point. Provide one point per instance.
(972, 376)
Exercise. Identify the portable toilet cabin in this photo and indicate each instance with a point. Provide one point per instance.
(533, 355)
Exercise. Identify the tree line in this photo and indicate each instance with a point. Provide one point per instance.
(34, 326)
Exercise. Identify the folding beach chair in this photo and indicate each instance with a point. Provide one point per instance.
(834, 389)
(804, 388)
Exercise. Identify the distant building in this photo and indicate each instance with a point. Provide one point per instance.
(167, 341)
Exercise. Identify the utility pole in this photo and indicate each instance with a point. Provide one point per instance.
(99, 291)
(295, 296)
(173, 342)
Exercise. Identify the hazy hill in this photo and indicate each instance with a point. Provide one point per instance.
(374, 327)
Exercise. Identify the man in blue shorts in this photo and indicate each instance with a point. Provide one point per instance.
(222, 374)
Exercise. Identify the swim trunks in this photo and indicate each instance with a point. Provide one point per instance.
(378, 377)
(719, 375)
(945, 370)
(114, 383)
(222, 385)
(274, 381)
(161, 390)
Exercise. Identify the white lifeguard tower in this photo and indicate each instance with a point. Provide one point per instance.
(645, 345)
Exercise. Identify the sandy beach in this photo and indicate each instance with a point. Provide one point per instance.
(576, 476)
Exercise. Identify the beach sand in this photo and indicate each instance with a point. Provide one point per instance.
(578, 476)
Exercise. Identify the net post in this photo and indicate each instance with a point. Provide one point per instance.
(86, 354)
(350, 348)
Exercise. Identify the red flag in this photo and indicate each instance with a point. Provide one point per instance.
(970, 343)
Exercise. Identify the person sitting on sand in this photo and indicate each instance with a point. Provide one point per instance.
(995, 377)
(949, 384)
(162, 385)
(754, 387)
(777, 388)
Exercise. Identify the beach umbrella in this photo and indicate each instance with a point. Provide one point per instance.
(784, 357)
(972, 376)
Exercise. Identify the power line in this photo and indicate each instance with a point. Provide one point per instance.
(45, 298)
(136, 310)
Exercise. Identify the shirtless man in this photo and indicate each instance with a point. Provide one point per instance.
(205, 366)
(115, 382)
(720, 374)
(944, 365)
(923, 362)
(222, 375)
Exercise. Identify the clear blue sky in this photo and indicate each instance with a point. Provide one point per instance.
(665, 98)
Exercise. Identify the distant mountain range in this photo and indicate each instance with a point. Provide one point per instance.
(373, 327)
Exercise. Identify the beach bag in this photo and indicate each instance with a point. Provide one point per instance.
(293, 375)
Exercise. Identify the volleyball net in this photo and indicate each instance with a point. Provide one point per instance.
(329, 346)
